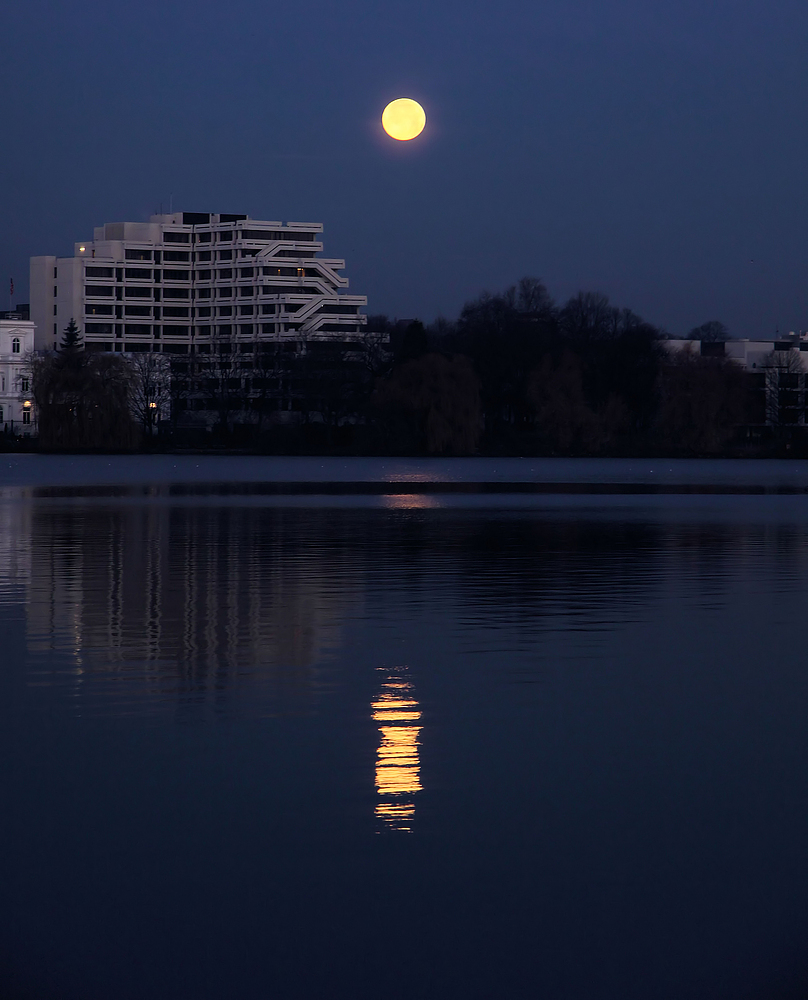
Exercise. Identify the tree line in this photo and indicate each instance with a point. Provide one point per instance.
(515, 373)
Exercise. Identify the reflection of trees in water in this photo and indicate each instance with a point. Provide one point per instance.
(582, 572)
(200, 593)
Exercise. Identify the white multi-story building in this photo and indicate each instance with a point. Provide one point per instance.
(777, 372)
(17, 411)
(764, 355)
(180, 282)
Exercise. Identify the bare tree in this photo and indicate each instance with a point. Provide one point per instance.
(564, 422)
(702, 401)
(83, 398)
(432, 404)
(712, 331)
(532, 297)
(782, 371)
(223, 381)
(589, 316)
(207, 381)
(270, 373)
(150, 397)
(376, 353)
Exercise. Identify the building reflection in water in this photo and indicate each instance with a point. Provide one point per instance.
(15, 548)
(194, 602)
(397, 765)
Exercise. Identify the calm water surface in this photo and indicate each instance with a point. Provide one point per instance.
(305, 728)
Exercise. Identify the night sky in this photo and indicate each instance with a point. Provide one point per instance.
(655, 152)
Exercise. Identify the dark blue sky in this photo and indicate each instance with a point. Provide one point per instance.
(654, 151)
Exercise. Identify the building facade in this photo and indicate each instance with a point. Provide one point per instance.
(17, 411)
(777, 372)
(179, 281)
(752, 355)
(236, 304)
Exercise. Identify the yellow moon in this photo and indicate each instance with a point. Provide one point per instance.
(403, 119)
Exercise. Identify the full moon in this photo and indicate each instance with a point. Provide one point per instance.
(403, 119)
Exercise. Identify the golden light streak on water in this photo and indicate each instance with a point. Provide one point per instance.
(410, 501)
(398, 768)
(396, 815)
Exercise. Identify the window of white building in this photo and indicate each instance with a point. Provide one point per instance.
(15, 345)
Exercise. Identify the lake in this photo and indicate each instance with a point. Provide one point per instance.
(308, 728)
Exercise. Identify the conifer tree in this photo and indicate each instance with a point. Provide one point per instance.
(71, 338)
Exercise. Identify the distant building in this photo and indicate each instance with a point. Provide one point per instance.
(778, 373)
(750, 354)
(234, 302)
(180, 280)
(17, 411)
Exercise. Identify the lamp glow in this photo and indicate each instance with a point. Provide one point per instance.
(403, 119)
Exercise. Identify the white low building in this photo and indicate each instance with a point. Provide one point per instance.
(17, 411)
(761, 355)
(778, 373)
